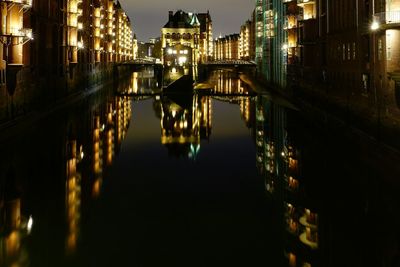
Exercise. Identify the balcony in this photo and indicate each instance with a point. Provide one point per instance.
(388, 19)
(305, 2)
(24, 3)
(18, 32)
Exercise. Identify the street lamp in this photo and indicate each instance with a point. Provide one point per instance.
(375, 25)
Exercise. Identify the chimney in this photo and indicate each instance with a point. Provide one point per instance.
(171, 14)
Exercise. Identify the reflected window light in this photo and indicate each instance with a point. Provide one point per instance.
(30, 224)
(182, 60)
(80, 45)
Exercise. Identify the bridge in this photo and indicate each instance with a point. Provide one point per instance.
(230, 63)
(204, 69)
(202, 93)
(142, 62)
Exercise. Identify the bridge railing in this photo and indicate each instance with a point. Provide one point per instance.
(230, 62)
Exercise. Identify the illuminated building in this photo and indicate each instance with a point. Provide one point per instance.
(65, 45)
(124, 35)
(291, 27)
(271, 41)
(178, 55)
(246, 38)
(349, 59)
(13, 36)
(383, 83)
(227, 48)
(206, 42)
(190, 30)
(135, 48)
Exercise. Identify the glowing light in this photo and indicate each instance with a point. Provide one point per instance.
(182, 60)
(30, 224)
(29, 35)
(80, 45)
(169, 51)
(375, 25)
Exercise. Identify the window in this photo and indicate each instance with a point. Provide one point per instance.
(388, 46)
(354, 51)
(344, 52)
(348, 51)
(365, 82)
(380, 49)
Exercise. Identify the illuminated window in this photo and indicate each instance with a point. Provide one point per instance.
(344, 52)
(348, 51)
(380, 49)
(388, 46)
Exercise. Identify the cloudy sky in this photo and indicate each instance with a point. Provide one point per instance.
(148, 16)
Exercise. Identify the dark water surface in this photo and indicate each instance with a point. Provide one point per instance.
(194, 180)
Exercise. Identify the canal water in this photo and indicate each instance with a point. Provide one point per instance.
(223, 177)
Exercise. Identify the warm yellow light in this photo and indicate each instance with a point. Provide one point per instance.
(375, 25)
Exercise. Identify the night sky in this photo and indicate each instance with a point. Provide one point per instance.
(149, 16)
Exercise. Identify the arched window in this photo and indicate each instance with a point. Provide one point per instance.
(168, 36)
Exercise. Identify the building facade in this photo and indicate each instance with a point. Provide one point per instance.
(191, 30)
(270, 41)
(247, 41)
(343, 52)
(227, 48)
(63, 45)
(206, 45)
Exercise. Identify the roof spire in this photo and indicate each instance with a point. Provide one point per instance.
(195, 21)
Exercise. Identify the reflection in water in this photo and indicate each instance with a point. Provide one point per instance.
(60, 184)
(278, 159)
(185, 121)
(110, 122)
(73, 196)
(14, 227)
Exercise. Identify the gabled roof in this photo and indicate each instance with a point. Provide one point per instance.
(180, 19)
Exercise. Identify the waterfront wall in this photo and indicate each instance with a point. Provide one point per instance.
(38, 89)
